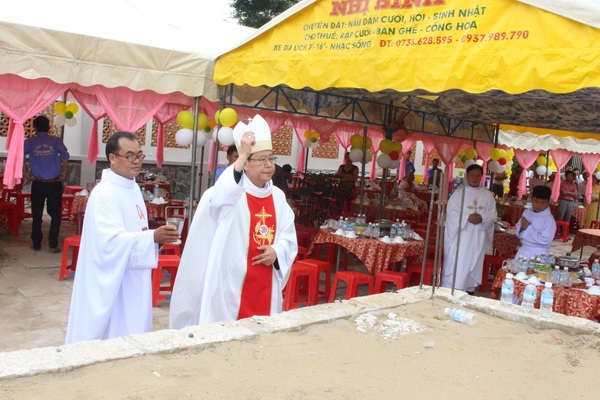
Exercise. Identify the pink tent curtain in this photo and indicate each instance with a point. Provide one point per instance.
(448, 149)
(525, 158)
(428, 147)
(406, 145)
(92, 106)
(376, 140)
(129, 110)
(166, 113)
(483, 153)
(300, 126)
(561, 158)
(21, 99)
(590, 161)
(343, 134)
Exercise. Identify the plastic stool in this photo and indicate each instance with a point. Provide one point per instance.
(595, 224)
(170, 248)
(565, 230)
(321, 267)
(67, 268)
(414, 271)
(491, 265)
(72, 189)
(11, 213)
(353, 279)
(166, 263)
(66, 206)
(301, 275)
(401, 279)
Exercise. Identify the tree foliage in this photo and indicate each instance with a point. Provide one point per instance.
(256, 13)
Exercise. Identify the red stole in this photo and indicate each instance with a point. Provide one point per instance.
(256, 291)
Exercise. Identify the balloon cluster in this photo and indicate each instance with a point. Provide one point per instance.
(501, 161)
(311, 139)
(390, 154)
(227, 117)
(356, 152)
(66, 114)
(544, 166)
(468, 158)
(597, 172)
(185, 119)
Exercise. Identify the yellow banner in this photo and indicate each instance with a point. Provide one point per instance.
(436, 45)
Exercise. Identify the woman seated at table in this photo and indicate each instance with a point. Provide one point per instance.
(347, 173)
(405, 191)
(537, 226)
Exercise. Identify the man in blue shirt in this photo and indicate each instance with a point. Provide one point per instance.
(410, 166)
(232, 155)
(48, 158)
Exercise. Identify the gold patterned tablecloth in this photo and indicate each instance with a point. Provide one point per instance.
(568, 301)
(392, 214)
(374, 254)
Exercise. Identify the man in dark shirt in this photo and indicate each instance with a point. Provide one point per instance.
(48, 158)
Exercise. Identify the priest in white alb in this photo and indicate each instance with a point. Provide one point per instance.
(242, 241)
(476, 225)
(112, 292)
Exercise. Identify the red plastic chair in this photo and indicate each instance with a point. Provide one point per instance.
(401, 279)
(167, 267)
(352, 279)
(68, 268)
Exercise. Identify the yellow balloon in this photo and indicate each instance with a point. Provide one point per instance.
(503, 153)
(356, 141)
(202, 121)
(228, 117)
(386, 146)
(470, 153)
(60, 107)
(495, 154)
(369, 143)
(316, 135)
(511, 153)
(307, 134)
(217, 114)
(541, 160)
(73, 107)
(397, 146)
(185, 119)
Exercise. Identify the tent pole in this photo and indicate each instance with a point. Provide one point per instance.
(193, 161)
(459, 229)
(222, 95)
(362, 176)
(435, 175)
(306, 161)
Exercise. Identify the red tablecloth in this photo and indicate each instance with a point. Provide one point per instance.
(511, 213)
(573, 302)
(506, 243)
(374, 254)
(586, 237)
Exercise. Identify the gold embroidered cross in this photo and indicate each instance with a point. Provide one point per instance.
(475, 208)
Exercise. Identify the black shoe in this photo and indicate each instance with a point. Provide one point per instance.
(35, 248)
(55, 250)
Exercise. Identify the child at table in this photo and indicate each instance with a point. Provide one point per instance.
(537, 226)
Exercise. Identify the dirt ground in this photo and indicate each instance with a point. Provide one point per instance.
(428, 356)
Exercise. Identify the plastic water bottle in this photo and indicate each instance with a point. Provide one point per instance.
(596, 269)
(522, 264)
(529, 296)
(546, 300)
(341, 223)
(555, 277)
(551, 259)
(462, 316)
(156, 192)
(375, 231)
(508, 288)
(566, 278)
(393, 230)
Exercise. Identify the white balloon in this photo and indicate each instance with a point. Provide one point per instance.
(384, 161)
(72, 122)
(510, 163)
(468, 163)
(184, 137)
(495, 167)
(597, 175)
(209, 134)
(306, 143)
(314, 145)
(394, 164)
(60, 120)
(356, 155)
(479, 162)
(541, 170)
(201, 139)
(225, 136)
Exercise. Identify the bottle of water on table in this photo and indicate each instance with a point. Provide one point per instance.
(393, 230)
(596, 269)
(529, 296)
(566, 278)
(508, 288)
(555, 277)
(546, 300)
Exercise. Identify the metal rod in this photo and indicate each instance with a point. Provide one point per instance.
(439, 233)
(362, 176)
(460, 216)
(193, 161)
(429, 218)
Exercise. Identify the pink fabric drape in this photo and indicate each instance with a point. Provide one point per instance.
(590, 161)
(166, 113)
(21, 99)
(526, 158)
(129, 110)
(376, 140)
(483, 153)
(561, 158)
(300, 126)
(428, 147)
(343, 134)
(91, 105)
(406, 145)
(448, 149)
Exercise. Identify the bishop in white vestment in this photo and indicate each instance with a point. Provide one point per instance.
(476, 232)
(242, 241)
